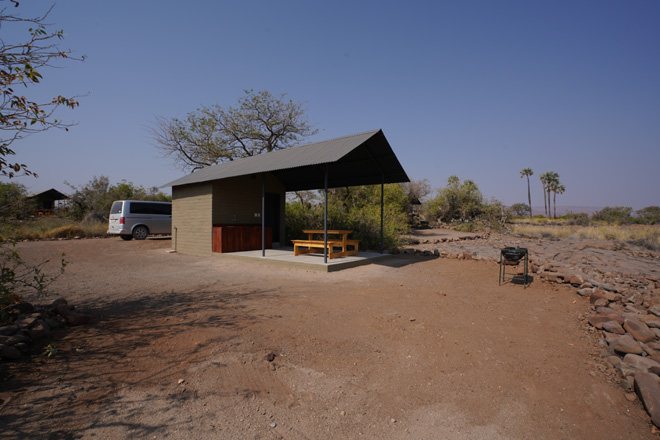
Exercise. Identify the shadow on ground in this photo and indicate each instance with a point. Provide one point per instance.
(117, 352)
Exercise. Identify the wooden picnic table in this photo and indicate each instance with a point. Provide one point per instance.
(310, 244)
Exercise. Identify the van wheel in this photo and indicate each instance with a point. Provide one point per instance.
(126, 237)
(140, 232)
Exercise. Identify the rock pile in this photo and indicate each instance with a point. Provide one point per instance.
(627, 317)
(34, 323)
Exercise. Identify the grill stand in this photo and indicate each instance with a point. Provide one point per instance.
(504, 260)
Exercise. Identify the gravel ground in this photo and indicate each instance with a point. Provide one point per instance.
(192, 347)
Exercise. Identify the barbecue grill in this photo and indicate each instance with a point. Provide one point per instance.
(511, 256)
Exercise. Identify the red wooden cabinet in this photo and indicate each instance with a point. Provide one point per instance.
(236, 238)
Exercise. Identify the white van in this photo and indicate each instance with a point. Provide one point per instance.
(137, 219)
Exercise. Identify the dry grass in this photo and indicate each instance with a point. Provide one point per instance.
(646, 236)
(50, 227)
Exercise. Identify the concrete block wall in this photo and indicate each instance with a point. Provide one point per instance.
(192, 213)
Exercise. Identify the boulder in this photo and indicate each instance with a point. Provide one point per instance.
(640, 361)
(73, 318)
(655, 309)
(613, 327)
(632, 308)
(40, 330)
(59, 301)
(8, 330)
(598, 320)
(9, 352)
(601, 302)
(626, 344)
(26, 321)
(576, 280)
(638, 330)
(597, 294)
(614, 360)
(629, 370)
(585, 291)
(647, 387)
(651, 321)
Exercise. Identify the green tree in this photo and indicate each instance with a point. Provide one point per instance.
(549, 181)
(416, 192)
(14, 201)
(544, 182)
(21, 64)
(456, 201)
(557, 188)
(616, 215)
(519, 209)
(92, 201)
(526, 172)
(649, 215)
(260, 123)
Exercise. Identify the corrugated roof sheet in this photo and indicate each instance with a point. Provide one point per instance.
(52, 193)
(292, 165)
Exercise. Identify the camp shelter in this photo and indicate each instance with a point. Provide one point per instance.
(248, 194)
(48, 200)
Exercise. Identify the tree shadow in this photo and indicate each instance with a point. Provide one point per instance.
(401, 260)
(45, 397)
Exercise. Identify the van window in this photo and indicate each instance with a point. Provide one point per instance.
(162, 209)
(116, 208)
(140, 208)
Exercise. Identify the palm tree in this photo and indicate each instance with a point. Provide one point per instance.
(526, 172)
(544, 182)
(549, 180)
(558, 189)
(551, 185)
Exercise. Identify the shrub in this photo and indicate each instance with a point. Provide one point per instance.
(577, 219)
(617, 215)
(356, 208)
(519, 209)
(18, 277)
(649, 215)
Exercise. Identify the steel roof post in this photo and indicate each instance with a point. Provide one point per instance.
(382, 198)
(325, 219)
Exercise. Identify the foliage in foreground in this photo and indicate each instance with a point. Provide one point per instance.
(356, 208)
(25, 51)
(14, 202)
(18, 277)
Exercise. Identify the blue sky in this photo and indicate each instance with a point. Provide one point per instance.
(479, 89)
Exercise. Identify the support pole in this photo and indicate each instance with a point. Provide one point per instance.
(325, 220)
(263, 215)
(382, 203)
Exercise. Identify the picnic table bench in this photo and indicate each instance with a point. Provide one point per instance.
(312, 245)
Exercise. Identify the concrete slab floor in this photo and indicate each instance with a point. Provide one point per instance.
(285, 257)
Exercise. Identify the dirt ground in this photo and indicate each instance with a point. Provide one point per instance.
(413, 348)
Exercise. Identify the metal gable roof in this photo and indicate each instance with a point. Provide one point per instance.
(360, 159)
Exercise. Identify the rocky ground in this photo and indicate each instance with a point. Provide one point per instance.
(419, 347)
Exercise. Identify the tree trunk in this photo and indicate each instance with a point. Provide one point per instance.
(554, 202)
(545, 203)
(529, 198)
